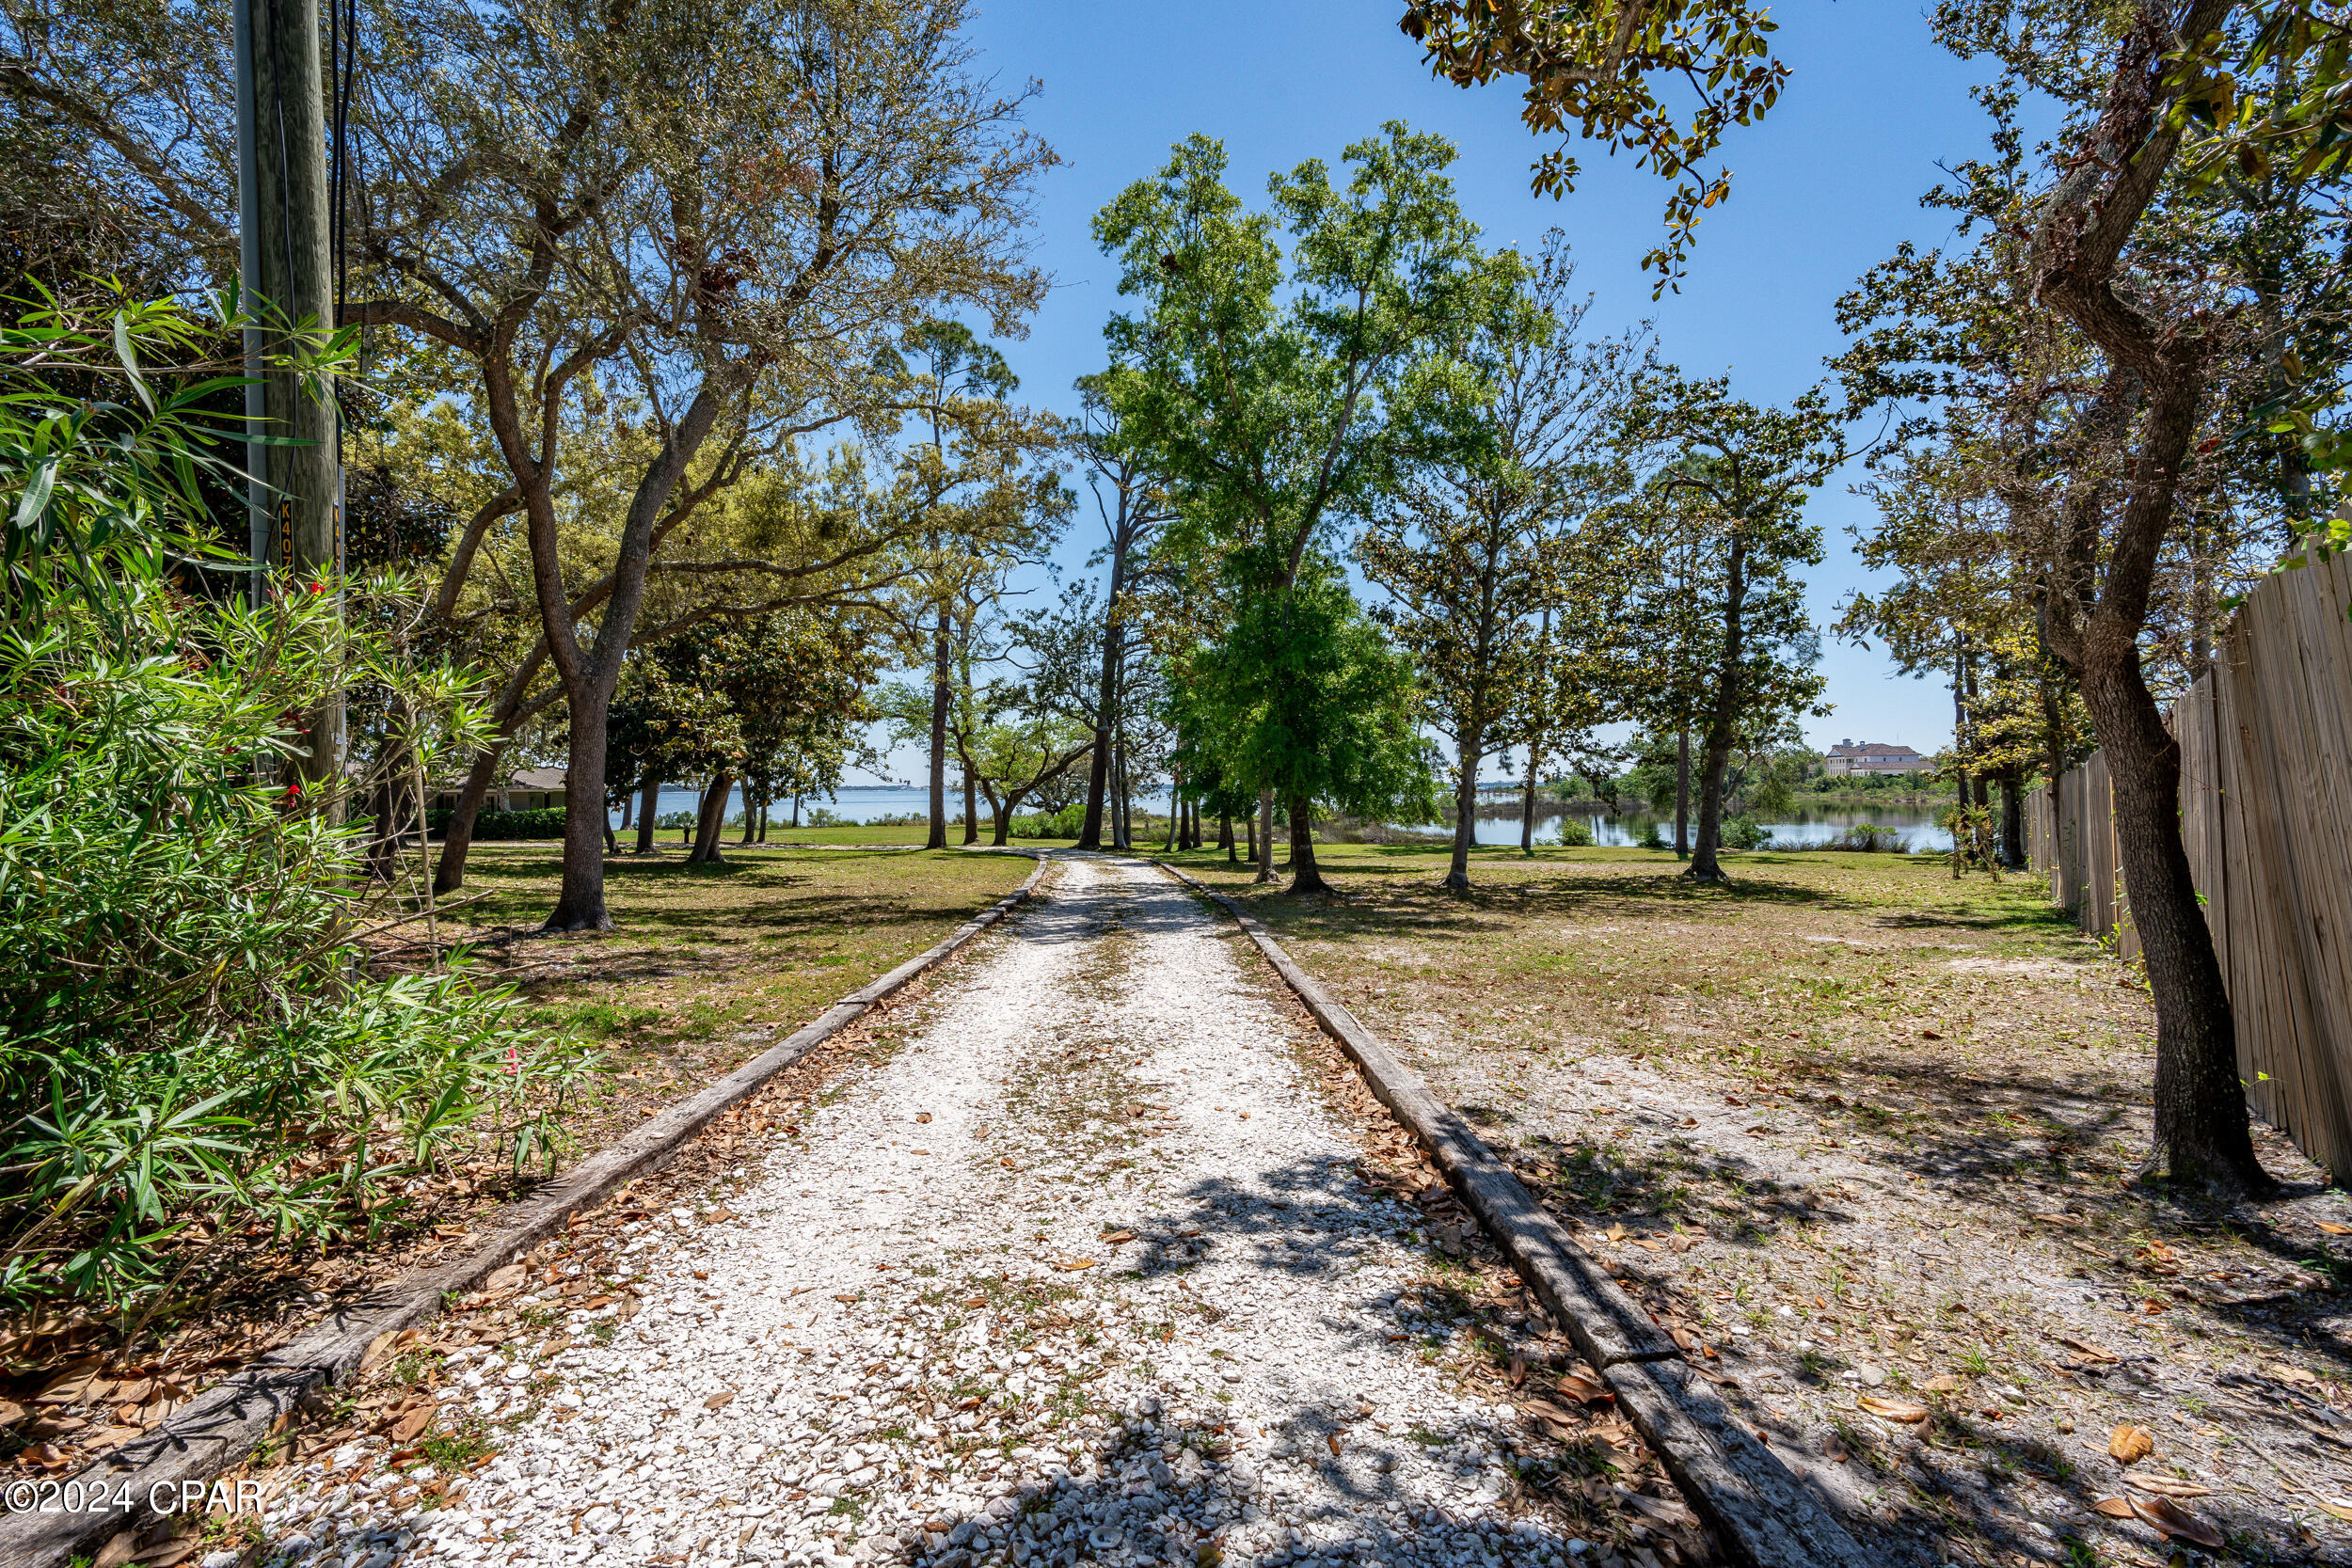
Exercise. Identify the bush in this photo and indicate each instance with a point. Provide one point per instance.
(680, 820)
(502, 825)
(1575, 834)
(1066, 823)
(1870, 838)
(1744, 833)
(194, 1061)
(1652, 837)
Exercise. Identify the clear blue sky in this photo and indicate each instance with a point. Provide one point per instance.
(1824, 188)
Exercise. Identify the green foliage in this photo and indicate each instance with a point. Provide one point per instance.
(1305, 696)
(1064, 823)
(1599, 67)
(544, 823)
(1274, 394)
(192, 1051)
(1743, 833)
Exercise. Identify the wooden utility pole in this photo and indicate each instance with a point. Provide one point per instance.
(295, 501)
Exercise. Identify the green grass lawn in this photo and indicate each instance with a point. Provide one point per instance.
(708, 965)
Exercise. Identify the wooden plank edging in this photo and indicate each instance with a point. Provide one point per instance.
(1754, 1504)
(222, 1426)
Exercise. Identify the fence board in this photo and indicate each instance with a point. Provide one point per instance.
(2265, 739)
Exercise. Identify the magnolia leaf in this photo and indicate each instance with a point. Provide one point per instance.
(2131, 1443)
(2174, 1520)
(1893, 1410)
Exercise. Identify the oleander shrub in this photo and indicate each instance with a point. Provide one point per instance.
(195, 1057)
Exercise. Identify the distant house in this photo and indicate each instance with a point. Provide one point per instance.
(525, 789)
(1874, 756)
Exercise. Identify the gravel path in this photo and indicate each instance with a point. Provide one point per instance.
(1080, 1274)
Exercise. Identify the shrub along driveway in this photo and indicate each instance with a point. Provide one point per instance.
(1865, 1134)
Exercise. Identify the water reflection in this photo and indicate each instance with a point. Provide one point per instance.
(1804, 827)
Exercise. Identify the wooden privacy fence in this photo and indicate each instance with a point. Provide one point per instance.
(2267, 816)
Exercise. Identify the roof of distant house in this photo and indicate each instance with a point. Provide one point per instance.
(1872, 749)
(537, 778)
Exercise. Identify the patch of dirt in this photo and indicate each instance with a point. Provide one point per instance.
(1889, 1191)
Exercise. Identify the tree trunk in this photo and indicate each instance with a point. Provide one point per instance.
(1527, 807)
(2201, 1131)
(1722, 724)
(763, 821)
(2012, 822)
(1001, 816)
(938, 839)
(449, 872)
(628, 801)
(1106, 699)
(1122, 808)
(1961, 750)
(795, 814)
(749, 826)
(580, 903)
(1305, 876)
(972, 812)
(710, 822)
(1225, 835)
(1682, 793)
(2202, 1134)
(1468, 749)
(1262, 839)
(649, 804)
(382, 856)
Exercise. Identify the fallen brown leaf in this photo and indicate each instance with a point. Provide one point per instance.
(1943, 1383)
(2334, 1228)
(2089, 1349)
(1893, 1410)
(1074, 1264)
(1117, 1237)
(2114, 1508)
(2131, 1443)
(2174, 1520)
(1578, 1386)
(411, 1423)
(1334, 1441)
(2169, 1486)
(505, 1279)
(922, 1115)
(718, 1402)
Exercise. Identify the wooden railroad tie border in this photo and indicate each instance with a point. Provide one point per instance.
(1756, 1507)
(224, 1424)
